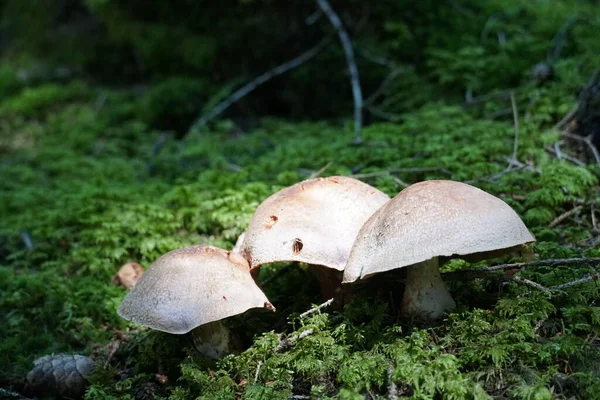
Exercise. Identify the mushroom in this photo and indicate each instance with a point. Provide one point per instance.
(128, 275)
(428, 220)
(315, 222)
(194, 288)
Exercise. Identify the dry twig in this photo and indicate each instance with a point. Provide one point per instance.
(515, 113)
(587, 141)
(549, 263)
(398, 170)
(349, 53)
(259, 80)
(530, 283)
(317, 308)
(320, 171)
(564, 216)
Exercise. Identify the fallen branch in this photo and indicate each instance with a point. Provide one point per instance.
(317, 308)
(398, 170)
(288, 343)
(515, 113)
(530, 283)
(549, 263)
(587, 141)
(585, 279)
(564, 216)
(574, 160)
(320, 171)
(258, 366)
(392, 388)
(259, 80)
(349, 53)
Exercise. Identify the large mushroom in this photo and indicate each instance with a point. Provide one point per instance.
(316, 222)
(194, 288)
(428, 220)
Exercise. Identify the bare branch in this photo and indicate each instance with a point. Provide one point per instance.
(349, 52)
(530, 283)
(288, 343)
(564, 216)
(588, 142)
(258, 366)
(515, 113)
(320, 171)
(26, 238)
(398, 170)
(392, 388)
(585, 279)
(384, 84)
(566, 156)
(259, 80)
(317, 308)
(568, 117)
(549, 263)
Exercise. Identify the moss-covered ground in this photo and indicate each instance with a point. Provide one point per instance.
(83, 192)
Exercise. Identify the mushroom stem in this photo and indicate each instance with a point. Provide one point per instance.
(426, 294)
(215, 340)
(330, 281)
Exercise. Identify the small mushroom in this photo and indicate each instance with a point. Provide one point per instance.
(128, 275)
(428, 220)
(194, 288)
(316, 222)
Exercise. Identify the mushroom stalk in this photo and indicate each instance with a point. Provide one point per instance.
(330, 281)
(215, 340)
(426, 294)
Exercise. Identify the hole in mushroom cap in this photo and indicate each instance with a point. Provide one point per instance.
(297, 246)
(272, 221)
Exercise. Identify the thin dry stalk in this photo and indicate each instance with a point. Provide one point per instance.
(259, 80)
(349, 53)
(317, 308)
(564, 216)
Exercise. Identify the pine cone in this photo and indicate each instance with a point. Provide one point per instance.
(59, 375)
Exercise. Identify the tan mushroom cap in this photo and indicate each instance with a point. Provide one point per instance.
(431, 219)
(193, 286)
(314, 221)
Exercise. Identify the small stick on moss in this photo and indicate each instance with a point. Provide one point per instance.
(588, 142)
(515, 114)
(567, 118)
(400, 182)
(549, 263)
(399, 170)
(585, 279)
(26, 238)
(530, 283)
(564, 216)
(568, 157)
(317, 308)
(258, 366)
(349, 53)
(392, 388)
(288, 343)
